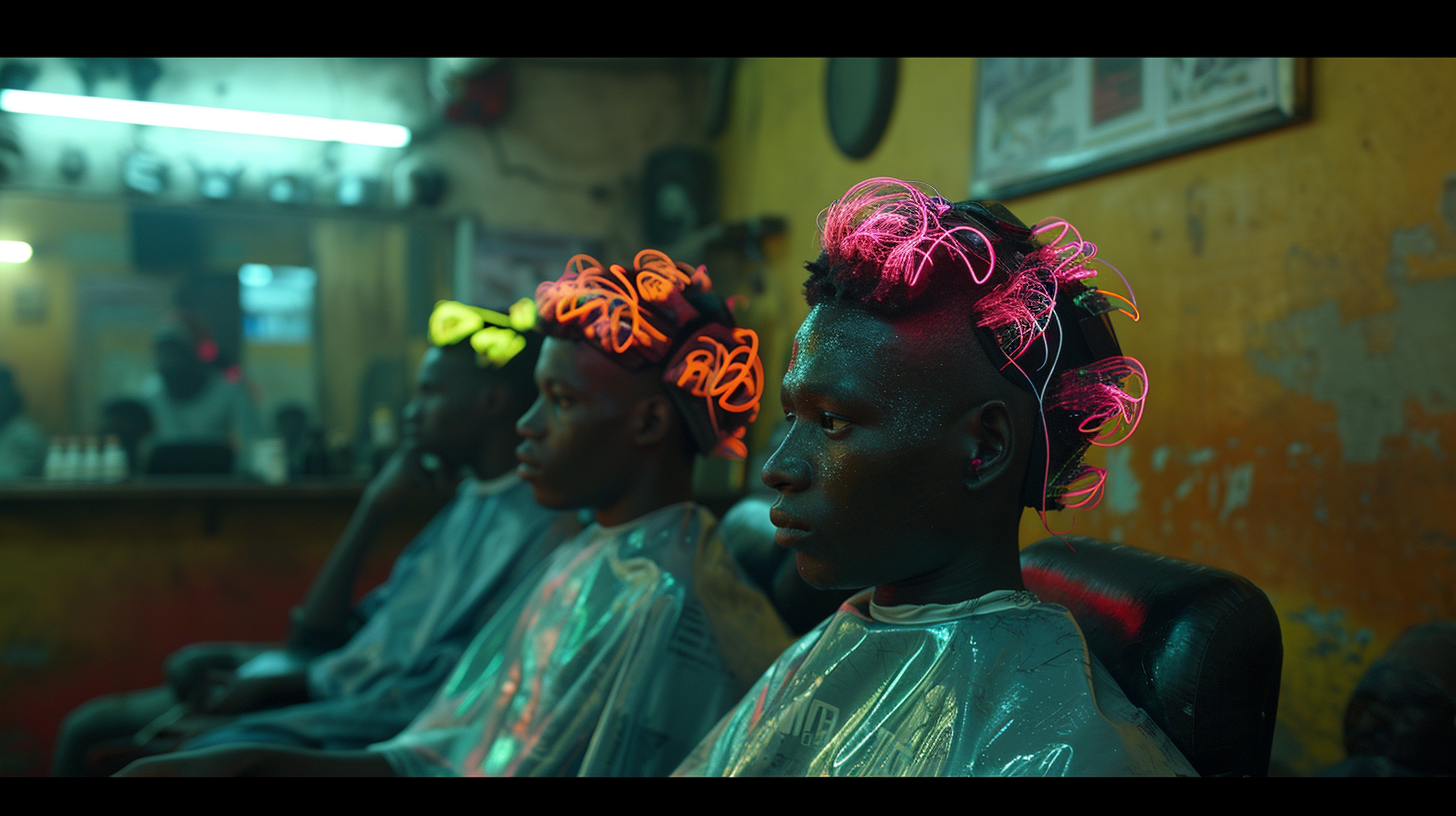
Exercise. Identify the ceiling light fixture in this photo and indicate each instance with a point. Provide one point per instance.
(193, 117)
(14, 252)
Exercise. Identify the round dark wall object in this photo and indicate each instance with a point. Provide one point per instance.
(720, 94)
(859, 97)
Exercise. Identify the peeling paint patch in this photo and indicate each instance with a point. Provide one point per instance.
(1331, 636)
(1202, 456)
(1369, 367)
(1160, 458)
(1213, 492)
(1122, 484)
(1321, 512)
(1294, 451)
(1429, 439)
(1240, 482)
(1186, 486)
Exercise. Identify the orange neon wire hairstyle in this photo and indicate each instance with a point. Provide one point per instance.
(663, 313)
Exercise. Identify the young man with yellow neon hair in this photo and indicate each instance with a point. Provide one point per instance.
(641, 632)
(353, 675)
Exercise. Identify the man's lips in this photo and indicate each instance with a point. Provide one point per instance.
(791, 529)
(529, 464)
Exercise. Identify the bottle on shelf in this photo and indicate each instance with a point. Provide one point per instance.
(54, 457)
(90, 461)
(113, 460)
(70, 467)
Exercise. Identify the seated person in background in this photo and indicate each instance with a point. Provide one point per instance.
(192, 403)
(952, 370)
(355, 675)
(23, 445)
(130, 422)
(642, 631)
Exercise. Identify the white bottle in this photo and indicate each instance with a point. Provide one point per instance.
(70, 466)
(91, 461)
(381, 428)
(113, 460)
(53, 459)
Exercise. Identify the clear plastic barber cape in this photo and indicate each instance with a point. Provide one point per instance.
(1011, 692)
(625, 649)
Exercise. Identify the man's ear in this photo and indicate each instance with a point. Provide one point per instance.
(987, 441)
(652, 419)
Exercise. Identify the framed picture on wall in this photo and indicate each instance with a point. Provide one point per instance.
(1042, 122)
(496, 267)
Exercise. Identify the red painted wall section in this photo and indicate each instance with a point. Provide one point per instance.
(95, 594)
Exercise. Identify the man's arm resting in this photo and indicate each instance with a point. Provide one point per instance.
(246, 694)
(324, 615)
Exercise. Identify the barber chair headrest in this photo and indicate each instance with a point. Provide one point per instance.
(1197, 648)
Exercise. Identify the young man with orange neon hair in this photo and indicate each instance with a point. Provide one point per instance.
(953, 369)
(641, 632)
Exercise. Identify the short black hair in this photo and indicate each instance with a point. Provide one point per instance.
(518, 374)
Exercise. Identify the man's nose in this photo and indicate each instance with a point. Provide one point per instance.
(529, 425)
(784, 471)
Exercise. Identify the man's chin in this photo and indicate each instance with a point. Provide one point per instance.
(545, 497)
(820, 575)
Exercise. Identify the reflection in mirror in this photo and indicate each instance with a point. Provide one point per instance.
(272, 345)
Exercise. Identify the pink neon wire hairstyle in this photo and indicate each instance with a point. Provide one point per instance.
(886, 244)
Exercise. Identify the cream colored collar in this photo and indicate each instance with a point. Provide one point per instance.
(996, 601)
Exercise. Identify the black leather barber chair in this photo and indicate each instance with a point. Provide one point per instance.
(1197, 648)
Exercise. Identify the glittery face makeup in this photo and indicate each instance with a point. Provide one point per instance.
(869, 477)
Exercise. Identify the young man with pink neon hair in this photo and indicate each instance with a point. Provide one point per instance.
(954, 367)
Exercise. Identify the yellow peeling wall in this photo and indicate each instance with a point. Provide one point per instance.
(1298, 289)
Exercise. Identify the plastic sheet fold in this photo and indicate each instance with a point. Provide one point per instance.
(620, 654)
(1012, 692)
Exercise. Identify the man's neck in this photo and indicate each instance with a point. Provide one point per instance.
(991, 561)
(497, 456)
(657, 483)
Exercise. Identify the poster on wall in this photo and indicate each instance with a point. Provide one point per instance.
(1042, 122)
(503, 266)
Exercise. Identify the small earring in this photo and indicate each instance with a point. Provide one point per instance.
(976, 467)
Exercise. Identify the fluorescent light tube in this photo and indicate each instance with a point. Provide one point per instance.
(194, 117)
(14, 252)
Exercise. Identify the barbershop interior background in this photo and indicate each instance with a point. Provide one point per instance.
(1296, 286)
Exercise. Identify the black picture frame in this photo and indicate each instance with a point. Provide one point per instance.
(1046, 122)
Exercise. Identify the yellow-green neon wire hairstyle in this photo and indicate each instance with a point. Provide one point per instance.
(495, 337)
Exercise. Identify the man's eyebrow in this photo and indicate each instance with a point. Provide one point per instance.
(842, 390)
